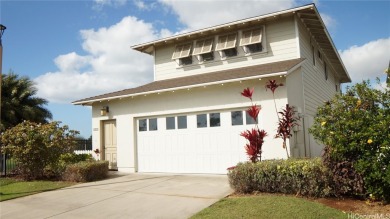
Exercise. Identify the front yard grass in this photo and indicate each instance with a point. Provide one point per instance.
(268, 206)
(12, 188)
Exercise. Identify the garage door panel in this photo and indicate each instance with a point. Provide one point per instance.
(191, 150)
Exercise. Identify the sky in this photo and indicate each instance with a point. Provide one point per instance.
(77, 49)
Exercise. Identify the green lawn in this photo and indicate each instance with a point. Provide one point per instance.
(269, 206)
(11, 188)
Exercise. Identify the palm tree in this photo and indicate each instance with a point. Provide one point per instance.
(18, 102)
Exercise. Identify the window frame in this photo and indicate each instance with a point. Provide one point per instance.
(219, 119)
(248, 117)
(178, 122)
(242, 117)
(326, 71)
(197, 120)
(150, 124)
(146, 125)
(166, 122)
(313, 55)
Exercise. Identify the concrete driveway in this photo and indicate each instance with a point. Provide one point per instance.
(128, 196)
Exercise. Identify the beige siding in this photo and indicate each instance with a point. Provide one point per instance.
(294, 86)
(280, 39)
(316, 89)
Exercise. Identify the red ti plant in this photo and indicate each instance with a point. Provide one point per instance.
(255, 136)
(285, 125)
(272, 85)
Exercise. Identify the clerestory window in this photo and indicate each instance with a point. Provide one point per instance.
(227, 45)
(251, 41)
(203, 50)
(182, 54)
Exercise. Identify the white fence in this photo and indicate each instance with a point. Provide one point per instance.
(84, 152)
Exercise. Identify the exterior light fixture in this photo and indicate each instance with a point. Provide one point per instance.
(104, 110)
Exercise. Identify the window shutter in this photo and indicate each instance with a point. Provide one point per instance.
(251, 37)
(231, 43)
(208, 45)
(182, 51)
(246, 38)
(203, 46)
(226, 42)
(221, 42)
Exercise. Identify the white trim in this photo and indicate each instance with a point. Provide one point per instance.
(154, 64)
(297, 37)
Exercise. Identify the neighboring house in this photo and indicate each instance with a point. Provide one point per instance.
(188, 120)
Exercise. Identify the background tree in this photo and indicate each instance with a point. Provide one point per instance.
(19, 103)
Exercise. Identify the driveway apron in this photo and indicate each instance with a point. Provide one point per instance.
(128, 196)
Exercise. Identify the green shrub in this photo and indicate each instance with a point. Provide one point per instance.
(56, 169)
(355, 127)
(70, 158)
(86, 171)
(37, 146)
(306, 177)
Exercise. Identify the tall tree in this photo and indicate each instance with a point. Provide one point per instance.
(19, 103)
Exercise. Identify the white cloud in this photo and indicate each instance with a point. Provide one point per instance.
(99, 4)
(367, 61)
(205, 13)
(329, 21)
(109, 64)
(141, 5)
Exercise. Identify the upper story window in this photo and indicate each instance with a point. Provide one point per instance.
(326, 71)
(203, 50)
(182, 54)
(319, 55)
(251, 41)
(313, 55)
(227, 45)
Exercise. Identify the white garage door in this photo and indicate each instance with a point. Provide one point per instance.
(192, 143)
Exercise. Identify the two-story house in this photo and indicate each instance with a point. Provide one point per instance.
(189, 119)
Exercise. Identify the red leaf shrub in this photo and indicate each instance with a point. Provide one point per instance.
(248, 92)
(286, 124)
(254, 136)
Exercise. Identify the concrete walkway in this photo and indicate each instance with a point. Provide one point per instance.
(129, 196)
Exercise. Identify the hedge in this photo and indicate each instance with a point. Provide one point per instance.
(305, 177)
(86, 171)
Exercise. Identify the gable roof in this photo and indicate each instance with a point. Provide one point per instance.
(224, 76)
(308, 14)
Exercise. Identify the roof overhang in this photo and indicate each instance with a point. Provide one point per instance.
(270, 70)
(149, 46)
